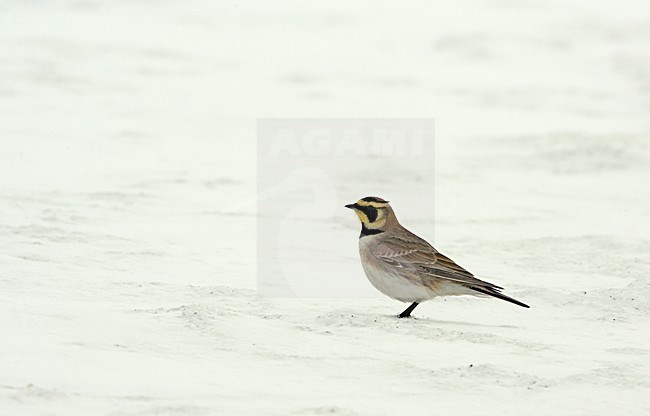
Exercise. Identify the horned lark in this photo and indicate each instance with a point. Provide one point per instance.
(403, 266)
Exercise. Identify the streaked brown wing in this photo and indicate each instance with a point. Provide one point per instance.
(411, 252)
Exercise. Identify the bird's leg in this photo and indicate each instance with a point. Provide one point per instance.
(407, 311)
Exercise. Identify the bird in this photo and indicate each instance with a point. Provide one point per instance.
(405, 267)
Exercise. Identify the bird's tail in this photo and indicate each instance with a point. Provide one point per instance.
(499, 295)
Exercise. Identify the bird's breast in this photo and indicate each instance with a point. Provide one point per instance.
(388, 279)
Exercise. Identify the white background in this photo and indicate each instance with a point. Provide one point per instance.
(128, 209)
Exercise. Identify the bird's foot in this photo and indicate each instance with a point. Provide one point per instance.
(407, 312)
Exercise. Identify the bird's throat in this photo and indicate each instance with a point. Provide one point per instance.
(369, 231)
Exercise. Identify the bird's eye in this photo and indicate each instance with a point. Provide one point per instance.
(371, 212)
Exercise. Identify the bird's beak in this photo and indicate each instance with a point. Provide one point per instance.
(351, 206)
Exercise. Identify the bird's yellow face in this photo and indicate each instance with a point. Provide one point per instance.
(372, 212)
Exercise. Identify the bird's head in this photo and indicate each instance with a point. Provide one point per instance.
(374, 213)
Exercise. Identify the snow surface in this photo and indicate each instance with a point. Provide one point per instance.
(128, 213)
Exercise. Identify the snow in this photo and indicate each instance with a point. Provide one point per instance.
(128, 208)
